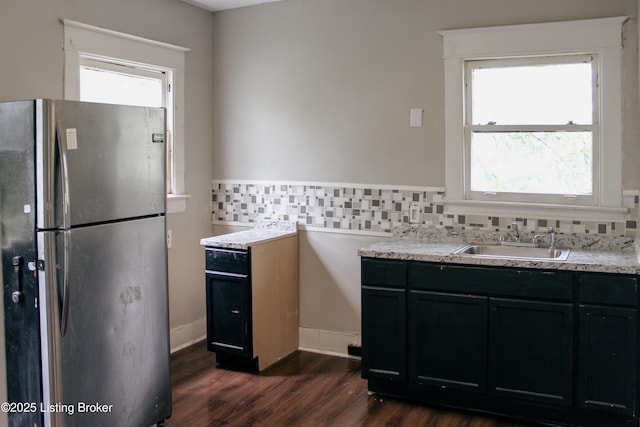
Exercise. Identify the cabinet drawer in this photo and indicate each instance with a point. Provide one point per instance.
(511, 282)
(608, 289)
(228, 261)
(384, 273)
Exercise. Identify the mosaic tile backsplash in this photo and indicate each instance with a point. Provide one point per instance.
(381, 209)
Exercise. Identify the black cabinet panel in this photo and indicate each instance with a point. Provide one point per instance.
(227, 260)
(384, 333)
(607, 365)
(608, 289)
(448, 340)
(531, 350)
(548, 285)
(384, 273)
(229, 314)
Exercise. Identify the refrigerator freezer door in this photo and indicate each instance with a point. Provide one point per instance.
(115, 350)
(111, 162)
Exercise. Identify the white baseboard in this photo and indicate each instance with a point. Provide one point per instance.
(314, 340)
(327, 342)
(185, 335)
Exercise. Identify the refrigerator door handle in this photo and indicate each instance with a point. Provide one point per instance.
(65, 283)
(16, 296)
(51, 261)
(64, 172)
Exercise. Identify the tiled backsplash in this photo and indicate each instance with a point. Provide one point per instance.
(380, 209)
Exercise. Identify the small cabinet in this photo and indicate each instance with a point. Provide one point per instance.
(607, 344)
(252, 302)
(384, 324)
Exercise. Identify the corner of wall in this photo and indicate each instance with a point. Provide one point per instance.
(185, 335)
(327, 342)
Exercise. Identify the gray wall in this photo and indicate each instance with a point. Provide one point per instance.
(321, 90)
(32, 67)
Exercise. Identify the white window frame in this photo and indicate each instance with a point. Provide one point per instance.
(602, 37)
(90, 42)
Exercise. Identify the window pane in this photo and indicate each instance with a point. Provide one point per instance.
(98, 85)
(538, 94)
(532, 162)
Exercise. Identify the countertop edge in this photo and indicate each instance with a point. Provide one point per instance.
(226, 241)
(579, 260)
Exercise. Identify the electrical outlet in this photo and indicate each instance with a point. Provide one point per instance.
(414, 214)
(168, 239)
(354, 350)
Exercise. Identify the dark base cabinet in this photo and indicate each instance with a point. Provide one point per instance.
(252, 303)
(228, 294)
(384, 308)
(555, 347)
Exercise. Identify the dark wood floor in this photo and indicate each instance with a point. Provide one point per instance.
(306, 389)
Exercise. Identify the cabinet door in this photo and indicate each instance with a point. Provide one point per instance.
(229, 313)
(531, 350)
(384, 333)
(448, 340)
(607, 359)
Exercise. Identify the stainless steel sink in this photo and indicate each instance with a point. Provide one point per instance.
(513, 252)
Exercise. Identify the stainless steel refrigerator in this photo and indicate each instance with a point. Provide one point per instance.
(84, 262)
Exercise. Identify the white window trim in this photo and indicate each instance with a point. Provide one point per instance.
(602, 36)
(87, 40)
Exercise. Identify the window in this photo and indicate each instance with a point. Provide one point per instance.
(533, 117)
(111, 67)
(529, 128)
(116, 82)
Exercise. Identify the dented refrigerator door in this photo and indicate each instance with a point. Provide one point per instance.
(106, 336)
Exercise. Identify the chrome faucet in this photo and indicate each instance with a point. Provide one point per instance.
(514, 227)
(552, 238)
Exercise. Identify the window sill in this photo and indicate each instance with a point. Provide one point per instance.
(539, 211)
(177, 203)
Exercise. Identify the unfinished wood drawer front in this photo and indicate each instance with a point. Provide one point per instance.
(227, 260)
(607, 289)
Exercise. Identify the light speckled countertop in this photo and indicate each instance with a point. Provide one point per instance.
(264, 231)
(439, 250)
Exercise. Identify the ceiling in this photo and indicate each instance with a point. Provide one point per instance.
(215, 5)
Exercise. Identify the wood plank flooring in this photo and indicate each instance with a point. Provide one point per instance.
(306, 389)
